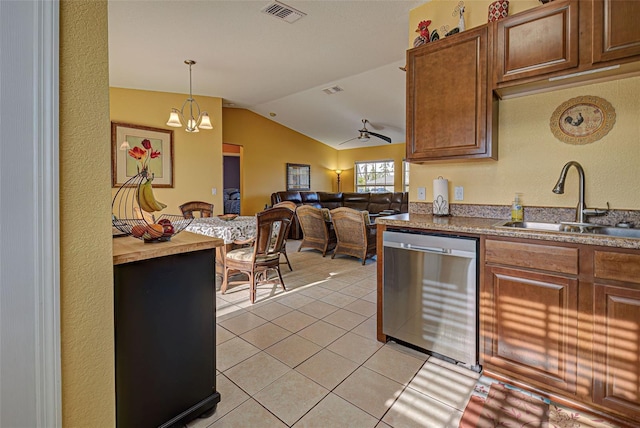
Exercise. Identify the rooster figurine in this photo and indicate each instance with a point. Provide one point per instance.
(424, 37)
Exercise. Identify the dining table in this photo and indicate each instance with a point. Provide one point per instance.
(231, 231)
(240, 228)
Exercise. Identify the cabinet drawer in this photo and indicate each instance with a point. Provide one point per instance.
(617, 266)
(535, 256)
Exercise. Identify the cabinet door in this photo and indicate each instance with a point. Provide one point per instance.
(538, 41)
(616, 33)
(529, 320)
(616, 369)
(447, 100)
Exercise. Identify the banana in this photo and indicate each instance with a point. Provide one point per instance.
(144, 205)
(146, 200)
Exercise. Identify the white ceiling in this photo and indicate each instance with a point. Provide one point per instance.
(255, 61)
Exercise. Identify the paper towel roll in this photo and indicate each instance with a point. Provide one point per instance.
(441, 196)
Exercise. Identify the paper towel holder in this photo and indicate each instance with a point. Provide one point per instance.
(440, 205)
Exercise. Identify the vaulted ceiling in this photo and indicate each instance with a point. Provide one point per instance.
(257, 61)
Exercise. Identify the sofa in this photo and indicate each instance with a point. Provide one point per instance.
(374, 203)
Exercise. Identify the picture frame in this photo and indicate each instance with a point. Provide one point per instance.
(298, 176)
(124, 166)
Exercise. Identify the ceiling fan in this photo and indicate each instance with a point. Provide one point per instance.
(365, 134)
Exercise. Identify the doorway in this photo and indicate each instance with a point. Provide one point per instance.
(232, 178)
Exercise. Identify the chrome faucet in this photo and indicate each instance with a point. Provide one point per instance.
(581, 209)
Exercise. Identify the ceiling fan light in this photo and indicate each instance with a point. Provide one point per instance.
(174, 119)
(363, 137)
(205, 121)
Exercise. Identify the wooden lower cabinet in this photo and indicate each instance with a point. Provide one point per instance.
(616, 347)
(532, 324)
(616, 362)
(564, 320)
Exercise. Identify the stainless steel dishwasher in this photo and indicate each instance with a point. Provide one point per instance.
(430, 294)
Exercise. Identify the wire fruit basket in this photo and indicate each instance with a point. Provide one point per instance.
(132, 212)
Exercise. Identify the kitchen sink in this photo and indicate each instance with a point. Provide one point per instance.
(570, 227)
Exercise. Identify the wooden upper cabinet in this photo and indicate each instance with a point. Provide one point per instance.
(616, 30)
(538, 41)
(450, 114)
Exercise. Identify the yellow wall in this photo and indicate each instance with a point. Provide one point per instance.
(440, 13)
(86, 275)
(347, 158)
(197, 156)
(268, 147)
(530, 157)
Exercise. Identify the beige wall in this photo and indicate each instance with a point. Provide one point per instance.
(197, 156)
(86, 283)
(530, 157)
(347, 159)
(267, 148)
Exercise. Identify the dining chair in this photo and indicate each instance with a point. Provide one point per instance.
(264, 255)
(205, 209)
(292, 206)
(355, 234)
(317, 229)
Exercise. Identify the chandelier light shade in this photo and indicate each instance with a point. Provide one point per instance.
(189, 114)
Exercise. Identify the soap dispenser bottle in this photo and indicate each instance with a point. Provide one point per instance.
(517, 212)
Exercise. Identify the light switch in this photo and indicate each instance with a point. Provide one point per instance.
(214, 191)
(422, 193)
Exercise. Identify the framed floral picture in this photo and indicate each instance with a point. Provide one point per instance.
(134, 147)
(298, 176)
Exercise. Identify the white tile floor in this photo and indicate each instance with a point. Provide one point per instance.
(308, 357)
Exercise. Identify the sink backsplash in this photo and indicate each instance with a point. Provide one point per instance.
(542, 214)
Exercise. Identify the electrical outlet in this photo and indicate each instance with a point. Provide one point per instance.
(214, 191)
(458, 194)
(422, 193)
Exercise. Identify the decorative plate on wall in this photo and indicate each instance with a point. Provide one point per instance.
(582, 120)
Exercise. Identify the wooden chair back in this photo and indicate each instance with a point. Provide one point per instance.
(287, 204)
(271, 232)
(205, 209)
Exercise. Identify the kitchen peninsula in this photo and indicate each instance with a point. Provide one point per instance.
(164, 329)
(558, 312)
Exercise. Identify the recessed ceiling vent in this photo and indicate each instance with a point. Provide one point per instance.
(283, 12)
(332, 90)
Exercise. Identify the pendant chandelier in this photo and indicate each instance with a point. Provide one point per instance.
(193, 119)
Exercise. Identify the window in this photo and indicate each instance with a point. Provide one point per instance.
(405, 176)
(375, 176)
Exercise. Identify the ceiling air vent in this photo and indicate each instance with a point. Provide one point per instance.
(332, 90)
(283, 12)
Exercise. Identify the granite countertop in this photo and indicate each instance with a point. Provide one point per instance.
(485, 226)
(129, 249)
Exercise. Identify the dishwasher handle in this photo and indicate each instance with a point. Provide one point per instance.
(425, 249)
(433, 250)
